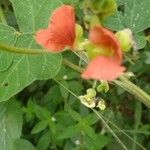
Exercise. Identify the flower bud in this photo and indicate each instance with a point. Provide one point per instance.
(103, 87)
(104, 7)
(125, 39)
(109, 7)
(79, 31)
(95, 21)
(91, 93)
(101, 104)
(79, 35)
(93, 50)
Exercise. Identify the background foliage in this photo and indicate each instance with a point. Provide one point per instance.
(38, 113)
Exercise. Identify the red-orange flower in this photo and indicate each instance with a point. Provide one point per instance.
(104, 67)
(60, 32)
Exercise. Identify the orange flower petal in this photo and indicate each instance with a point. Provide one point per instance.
(103, 68)
(61, 30)
(105, 38)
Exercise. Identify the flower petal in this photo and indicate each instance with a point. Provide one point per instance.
(61, 30)
(105, 38)
(43, 38)
(103, 68)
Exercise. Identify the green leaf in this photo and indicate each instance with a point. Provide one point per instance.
(40, 126)
(22, 144)
(74, 115)
(90, 119)
(18, 71)
(147, 61)
(89, 132)
(33, 14)
(44, 142)
(115, 22)
(10, 124)
(136, 16)
(41, 112)
(140, 41)
(63, 91)
(97, 144)
(121, 2)
(69, 132)
(137, 115)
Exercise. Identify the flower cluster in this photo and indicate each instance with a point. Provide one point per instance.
(105, 63)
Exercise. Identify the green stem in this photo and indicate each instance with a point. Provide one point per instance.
(18, 50)
(134, 90)
(72, 65)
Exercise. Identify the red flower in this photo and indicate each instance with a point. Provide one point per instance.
(104, 67)
(103, 37)
(60, 32)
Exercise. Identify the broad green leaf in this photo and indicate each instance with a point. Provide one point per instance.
(7, 34)
(115, 22)
(136, 16)
(140, 41)
(18, 71)
(121, 2)
(40, 126)
(10, 124)
(22, 144)
(33, 14)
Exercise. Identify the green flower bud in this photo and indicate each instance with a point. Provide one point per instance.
(91, 93)
(93, 50)
(104, 86)
(78, 30)
(104, 7)
(109, 7)
(125, 39)
(79, 35)
(101, 104)
(95, 21)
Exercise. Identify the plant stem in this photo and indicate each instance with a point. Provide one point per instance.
(18, 50)
(72, 65)
(134, 90)
(111, 131)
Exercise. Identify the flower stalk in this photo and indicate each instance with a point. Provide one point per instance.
(134, 90)
(18, 50)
